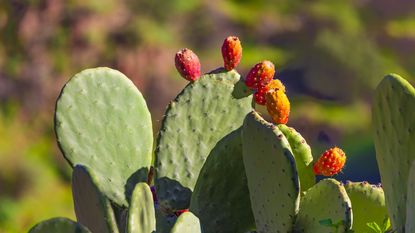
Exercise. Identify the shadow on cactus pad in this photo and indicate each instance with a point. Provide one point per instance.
(134, 179)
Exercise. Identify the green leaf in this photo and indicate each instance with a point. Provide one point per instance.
(375, 227)
(386, 224)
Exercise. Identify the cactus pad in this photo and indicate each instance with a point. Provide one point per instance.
(394, 131)
(327, 200)
(201, 115)
(187, 223)
(141, 217)
(220, 210)
(410, 203)
(102, 122)
(60, 224)
(164, 223)
(368, 203)
(302, 155)
(272, 176)
(92, 208)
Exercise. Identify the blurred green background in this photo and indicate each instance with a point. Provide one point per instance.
(330, 54)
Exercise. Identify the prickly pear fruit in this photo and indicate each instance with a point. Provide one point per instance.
(330, 163)
(260, 75)
(179, 212)
(231, 52)
(259, 95)
(278, 106)
(188, 64)
(276, 84)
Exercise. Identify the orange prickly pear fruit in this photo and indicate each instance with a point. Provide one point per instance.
(188, 64)
(330, 163)
(231, 52)
(260, 75)
(278, 106)
(276, 84)
(259, 95)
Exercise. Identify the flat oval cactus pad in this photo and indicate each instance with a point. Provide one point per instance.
(102, 122)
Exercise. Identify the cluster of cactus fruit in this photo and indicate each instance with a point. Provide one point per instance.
(219, 166)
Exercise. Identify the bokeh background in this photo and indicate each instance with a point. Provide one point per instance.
(330, 54)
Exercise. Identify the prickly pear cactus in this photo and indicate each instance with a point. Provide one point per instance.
(60, 224)
(164, 222)
(394, 130)
(368, 202)
(201, 115)
(302, 154)
(92, 208)
(102, 122)
(141, 216)
(410, 202)
(327, 200)
(187, 223)
(272, 176)
(216, 155)
(221, 196)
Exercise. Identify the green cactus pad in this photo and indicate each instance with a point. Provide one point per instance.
(201, 115)
(92, 208)
(60, 224)
(302, 154)
(368, 202)
(272, 176)
(187, 223)
(221, 196)
(394, 132)
(141, 216)
(102, 122)
(164, 223)
(410, 202)
(327, 200)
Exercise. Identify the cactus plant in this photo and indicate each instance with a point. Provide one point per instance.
(102, 122)
(219, 210)
(141, 216)
(410, 202)
(220, 158)
(272, 176)
(368, 202)
(92, 208)
(200, 116)
(60, 224)
(302, 154)
(187, 223)
(393, 125)
(325, 200)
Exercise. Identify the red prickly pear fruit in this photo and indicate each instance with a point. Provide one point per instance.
(330, 163)
(231, 52)
(259, 95)
(188, 64)
(278, 106)
(260, 75)
(179, 212)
